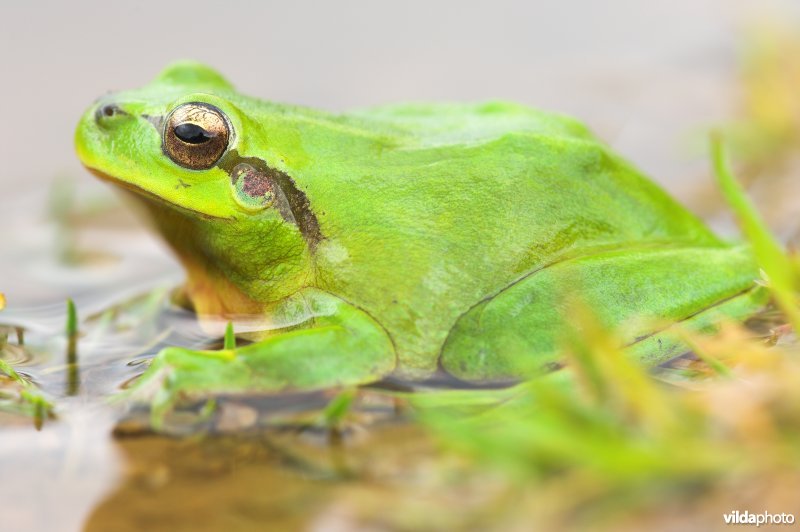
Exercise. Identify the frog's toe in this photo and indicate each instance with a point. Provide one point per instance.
(177, 373)
(155, 377)
(163, 403)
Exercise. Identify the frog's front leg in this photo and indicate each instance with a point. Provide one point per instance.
(322, 342)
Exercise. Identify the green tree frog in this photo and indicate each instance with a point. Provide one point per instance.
(401, 240)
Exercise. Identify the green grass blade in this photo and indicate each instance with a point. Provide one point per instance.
(72, 319)
(777, 266)
(230, 337)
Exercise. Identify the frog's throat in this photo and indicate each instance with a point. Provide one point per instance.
(213, 294)
(210, 290)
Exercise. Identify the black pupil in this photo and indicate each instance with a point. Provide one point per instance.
(192, 133)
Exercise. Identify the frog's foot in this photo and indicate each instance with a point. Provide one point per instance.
(177, 374)
(339, 345)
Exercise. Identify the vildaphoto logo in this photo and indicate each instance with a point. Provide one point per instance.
(764, 518)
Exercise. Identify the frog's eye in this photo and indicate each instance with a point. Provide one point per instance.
(196, 135)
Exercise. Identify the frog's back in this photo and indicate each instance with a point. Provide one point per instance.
(438, 124)
(462, 200)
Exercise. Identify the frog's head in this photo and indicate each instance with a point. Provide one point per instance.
(194, 151)
(168, 141)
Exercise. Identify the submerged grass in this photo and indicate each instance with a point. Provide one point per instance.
(20, 396)
(17, 394)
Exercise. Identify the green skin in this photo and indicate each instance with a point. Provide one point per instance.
(414, 237)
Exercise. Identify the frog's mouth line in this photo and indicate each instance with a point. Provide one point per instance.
(149, 195)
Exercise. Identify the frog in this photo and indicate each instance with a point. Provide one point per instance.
(403, 241)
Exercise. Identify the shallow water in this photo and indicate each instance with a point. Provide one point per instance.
(250, 460)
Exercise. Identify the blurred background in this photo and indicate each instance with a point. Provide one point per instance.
(650, 78)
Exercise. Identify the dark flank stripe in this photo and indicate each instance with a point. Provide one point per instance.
(297, 201)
